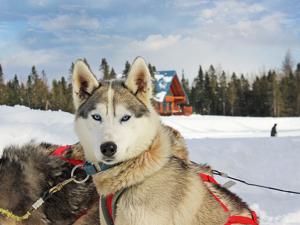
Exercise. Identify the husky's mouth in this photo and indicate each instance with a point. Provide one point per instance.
(108, 160)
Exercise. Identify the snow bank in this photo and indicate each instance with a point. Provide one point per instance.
(20, 124)
(239, 146)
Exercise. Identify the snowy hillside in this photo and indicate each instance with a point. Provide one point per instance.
(239, 146)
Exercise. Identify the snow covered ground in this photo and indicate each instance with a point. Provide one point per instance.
(239, 146)
(197, 126)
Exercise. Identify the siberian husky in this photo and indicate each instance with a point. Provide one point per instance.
(119, 128)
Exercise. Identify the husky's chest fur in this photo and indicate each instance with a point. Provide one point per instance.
(160, 189)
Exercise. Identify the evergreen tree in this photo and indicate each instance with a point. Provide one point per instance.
(54, 96)
(64, 91)
(71, 69)
(1, 75)
(207, 95)
(197, 92)
(200, 78)
(44, 77)
(274, 94)
(265, 96)
(152, 70)
(222, 92)
(13, 89)
(287, 64)
(3, 93)
(244, 97)
(112, 74)
(70, 106)
(66, 103)
(61, 95)
(232, 94)
(261, 94)
(38, 89)
(212, 91)
(255, 98)
(185, 85)
(239, 99)
(42, 90)
(34, 75)
(29, 91)
(104, 68)
(297, 90)
(22, 94)
(31, 96)
(126, 69)
(288, 87)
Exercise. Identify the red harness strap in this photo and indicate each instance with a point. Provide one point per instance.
(207, 178)
(243, 219)
(109, 205)
(59, 152)
(231, 219)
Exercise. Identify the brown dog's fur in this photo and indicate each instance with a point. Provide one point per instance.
(27, 172)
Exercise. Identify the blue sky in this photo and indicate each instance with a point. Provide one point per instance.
(243, 36)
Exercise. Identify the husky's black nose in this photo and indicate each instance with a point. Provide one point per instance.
(108, 148)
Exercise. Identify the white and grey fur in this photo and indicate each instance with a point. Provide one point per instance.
(113, 100)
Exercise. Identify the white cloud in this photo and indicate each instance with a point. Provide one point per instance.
(227, 10)
(156, 42)
(266, 30)
(20, 60)
(188, 3)
(66, 22)
(26, 57)
(236, 21)
(41, 3)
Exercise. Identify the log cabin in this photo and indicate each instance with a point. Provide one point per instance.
(169, 95)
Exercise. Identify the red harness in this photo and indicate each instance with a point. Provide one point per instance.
(231, 219)
(109, 207)
(206, 178)
(59, 152)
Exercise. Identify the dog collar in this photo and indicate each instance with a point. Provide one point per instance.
(91, 168)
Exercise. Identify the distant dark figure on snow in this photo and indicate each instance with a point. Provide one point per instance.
(274, 131)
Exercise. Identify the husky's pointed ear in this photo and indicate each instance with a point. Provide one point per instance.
(83, 81)
(139, 80)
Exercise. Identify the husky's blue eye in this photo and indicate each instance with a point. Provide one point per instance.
(97, 117)
(125, 118)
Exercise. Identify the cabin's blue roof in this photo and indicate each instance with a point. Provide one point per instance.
(163, 83)
(167, 73)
